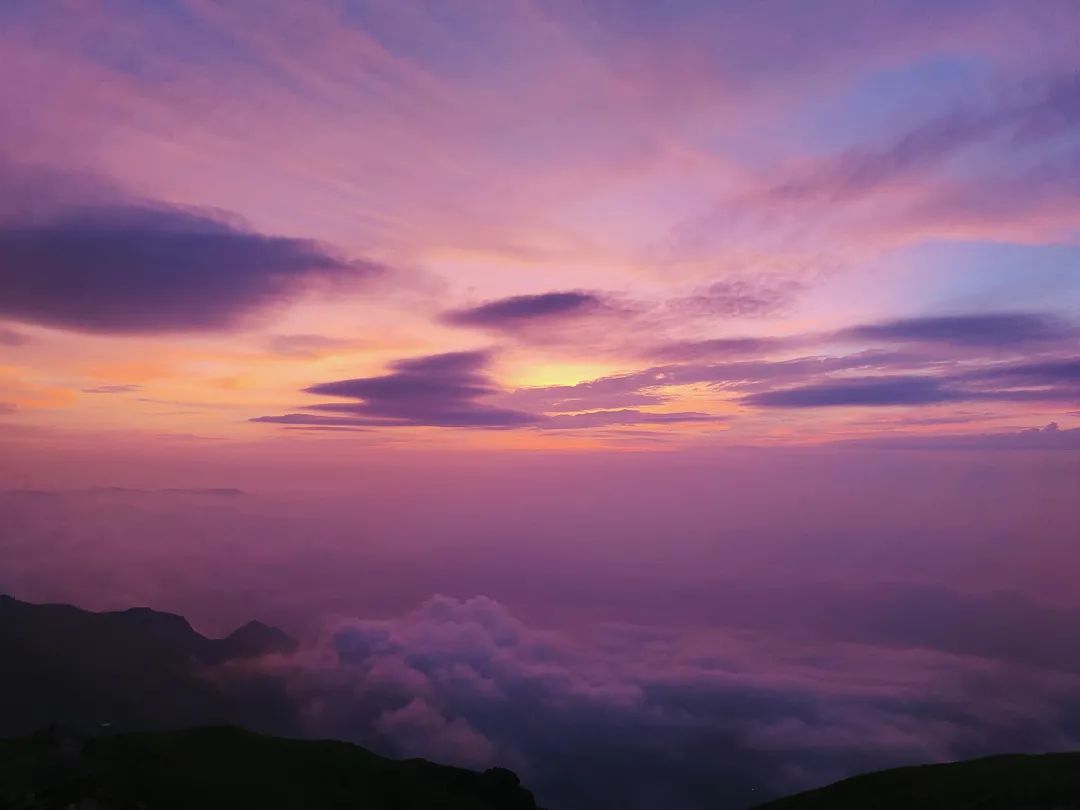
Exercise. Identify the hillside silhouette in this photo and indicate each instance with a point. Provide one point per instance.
(1011, 782)
(137, 670)
(227, 768)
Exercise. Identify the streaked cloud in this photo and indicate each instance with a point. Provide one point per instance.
(992, 329)
(520, 311)
(445, 390)
(126, 388)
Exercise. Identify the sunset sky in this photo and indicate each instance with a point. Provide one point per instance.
(636, 312)
(538, 225)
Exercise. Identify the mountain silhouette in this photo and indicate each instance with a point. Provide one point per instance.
(1011, 782)
(227, 768)
(136, 669)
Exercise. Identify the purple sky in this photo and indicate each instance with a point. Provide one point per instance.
(702, 378)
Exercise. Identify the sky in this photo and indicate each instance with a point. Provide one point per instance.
(673, 365)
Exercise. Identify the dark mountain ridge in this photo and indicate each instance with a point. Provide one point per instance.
(136, 669)
(1009, 782)
(101, 704)
(227, 768)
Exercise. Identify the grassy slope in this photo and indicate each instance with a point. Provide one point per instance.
(223, 768)
(1012, 782)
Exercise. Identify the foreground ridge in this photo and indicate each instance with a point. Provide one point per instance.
(229, 768)
(1009, 782)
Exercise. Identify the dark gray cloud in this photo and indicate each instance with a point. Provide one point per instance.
(443, 390)
(871, 391)
(1043, 386)
(1039, 373)
(98, 262)
(980, 330)
(516, 312)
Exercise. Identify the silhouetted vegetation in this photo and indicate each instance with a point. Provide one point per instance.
(1016, 782)
(227, 768)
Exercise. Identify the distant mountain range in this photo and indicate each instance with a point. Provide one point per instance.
(136, 669)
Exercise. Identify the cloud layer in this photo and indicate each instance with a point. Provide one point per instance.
(715, 721)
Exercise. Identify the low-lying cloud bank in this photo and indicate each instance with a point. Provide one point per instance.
(632, 716)
(726, 636)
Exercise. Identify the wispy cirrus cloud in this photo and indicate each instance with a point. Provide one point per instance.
(624, 416)
(125, 388)
(1000, 162)
(305, 345)
(720, 348)
(616, 323)
(739, 298)
(9, 337)
(1035, 112)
